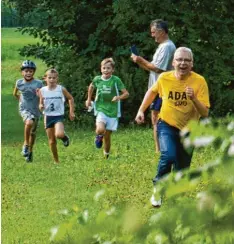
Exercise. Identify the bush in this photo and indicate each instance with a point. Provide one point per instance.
(200, 203)
(86, 32)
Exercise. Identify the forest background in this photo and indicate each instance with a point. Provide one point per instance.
(76, 35)
(87, 199)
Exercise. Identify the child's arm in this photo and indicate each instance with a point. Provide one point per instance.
(41, 100)
(90, 93)
(123, 96)
(38, 92)
(16, 94)
(70, 99)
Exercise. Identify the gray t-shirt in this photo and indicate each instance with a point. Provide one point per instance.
(29, 101)
(162, 59)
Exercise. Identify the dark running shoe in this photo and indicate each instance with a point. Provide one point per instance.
(66, 141)
(98, 141)
(29, 158)
(24, 151)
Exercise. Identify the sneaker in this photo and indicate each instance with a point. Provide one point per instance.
(29, 157)
(106, 156)
(156, 203)
(98, 141)
(24, 151)
(66, 142)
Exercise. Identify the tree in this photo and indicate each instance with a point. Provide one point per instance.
(75, 33)
(9, 15)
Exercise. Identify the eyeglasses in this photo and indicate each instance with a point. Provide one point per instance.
(186, 60)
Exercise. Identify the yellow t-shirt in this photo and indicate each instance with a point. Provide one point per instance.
(177, 109)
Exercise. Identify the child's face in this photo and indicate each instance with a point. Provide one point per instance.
(107, 70)
(51, 79)
(28, 74)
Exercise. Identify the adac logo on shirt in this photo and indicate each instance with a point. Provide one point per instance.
(179, 97)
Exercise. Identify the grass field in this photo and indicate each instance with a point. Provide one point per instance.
(34, 195)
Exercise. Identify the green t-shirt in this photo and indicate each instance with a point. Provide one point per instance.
(106, 90)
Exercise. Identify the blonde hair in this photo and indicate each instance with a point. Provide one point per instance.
(52, 71)
(108, 60)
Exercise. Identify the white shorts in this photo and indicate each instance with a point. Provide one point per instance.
(26, 115)
(111, 123)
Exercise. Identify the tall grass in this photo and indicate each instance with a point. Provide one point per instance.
(34, 196)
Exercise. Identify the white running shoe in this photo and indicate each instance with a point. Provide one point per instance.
(156, 203)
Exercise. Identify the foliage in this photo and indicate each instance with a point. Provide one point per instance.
(91, 200)
(84, 32)
(206, 217)
(9, 15)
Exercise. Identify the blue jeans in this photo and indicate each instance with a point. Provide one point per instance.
(172, 150)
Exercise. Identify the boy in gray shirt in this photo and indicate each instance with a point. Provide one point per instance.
(25, 91)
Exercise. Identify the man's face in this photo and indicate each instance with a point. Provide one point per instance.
(156, 33)
(28, 74)
(182, 62)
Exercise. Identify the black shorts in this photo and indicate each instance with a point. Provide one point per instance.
(156, 104)
(50, 121)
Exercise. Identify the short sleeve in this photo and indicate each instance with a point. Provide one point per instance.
(155, 87)
(203, 94)
(120, 84)
(41, 84)
(17, 84)
(162, 59)
(94, 81)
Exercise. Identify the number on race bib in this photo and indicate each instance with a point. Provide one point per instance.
(52, 107)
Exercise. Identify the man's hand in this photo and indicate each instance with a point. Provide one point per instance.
(190, 92)
(72, 116)
(134, 58)
(140, 118)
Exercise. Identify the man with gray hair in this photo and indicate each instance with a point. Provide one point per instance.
(185, 97)
(162, 61)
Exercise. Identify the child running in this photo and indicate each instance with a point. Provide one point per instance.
(107, 103)
(52, 98)
(26, 92)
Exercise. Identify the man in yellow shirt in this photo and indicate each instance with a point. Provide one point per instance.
(185, 97)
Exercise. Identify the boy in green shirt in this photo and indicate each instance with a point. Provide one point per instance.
(107, 103)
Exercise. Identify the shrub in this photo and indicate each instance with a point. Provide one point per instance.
(199, 202)
(83, 33)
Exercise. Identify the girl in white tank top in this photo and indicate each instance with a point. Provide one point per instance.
(52, 98)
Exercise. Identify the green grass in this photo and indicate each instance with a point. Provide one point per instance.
(33, 194)
(12, 41)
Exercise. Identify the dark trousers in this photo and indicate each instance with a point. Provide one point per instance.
(172, 151)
